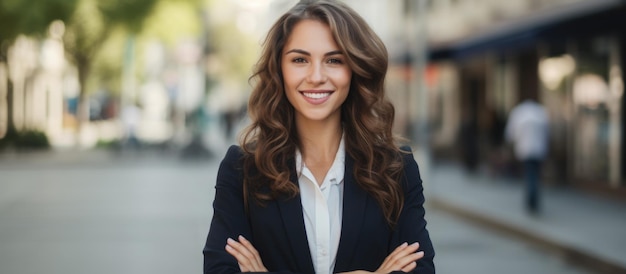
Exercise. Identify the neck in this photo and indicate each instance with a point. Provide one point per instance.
(319, 141)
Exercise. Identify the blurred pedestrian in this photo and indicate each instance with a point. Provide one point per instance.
(527, 130)
(131, 117)
(318, 184)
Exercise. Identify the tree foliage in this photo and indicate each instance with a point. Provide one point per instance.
(129, 13)
(31, 17)
(91, 25)
(93, 22)
(173, 20)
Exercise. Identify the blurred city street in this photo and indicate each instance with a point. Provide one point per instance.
(579, 228)
(98, 212)
(99, 100)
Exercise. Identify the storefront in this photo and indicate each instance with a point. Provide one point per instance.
(572, 61)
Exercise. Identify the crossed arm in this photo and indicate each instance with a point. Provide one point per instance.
(229, 220)
(401, 259)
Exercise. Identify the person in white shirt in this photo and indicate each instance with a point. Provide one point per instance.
(527, 129)
(318, 184)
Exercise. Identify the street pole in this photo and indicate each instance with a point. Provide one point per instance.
(417, 49)
(196, 149)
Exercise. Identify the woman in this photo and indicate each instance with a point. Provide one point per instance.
(318, 184)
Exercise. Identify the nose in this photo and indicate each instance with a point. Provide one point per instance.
(317, 74)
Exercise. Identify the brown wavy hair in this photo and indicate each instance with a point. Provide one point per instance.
(270, 141)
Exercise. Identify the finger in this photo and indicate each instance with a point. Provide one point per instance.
(409, 267)
(395, 251)
(400, 252)
(408, 259)
(412, 248)
(240, 260)
(404, 249)
(242, 268)
(241, 253)
(387, 264)
(255, 253)
(249, 256)
(399, 248)
(238, 256)
(251, 249)
(403, 257)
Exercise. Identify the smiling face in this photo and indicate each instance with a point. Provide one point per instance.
(315, 73)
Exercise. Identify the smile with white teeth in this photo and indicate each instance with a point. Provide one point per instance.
(316, 95)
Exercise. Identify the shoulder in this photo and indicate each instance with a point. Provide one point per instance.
(406, 153)
(410, 178)
(409, 165)
(234, 153)
(406, 149)
(233, 160)
(230, 169)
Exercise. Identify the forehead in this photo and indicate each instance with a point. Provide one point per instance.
(311, 35)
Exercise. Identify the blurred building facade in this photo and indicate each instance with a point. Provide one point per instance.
(150, 83)
(484, 56)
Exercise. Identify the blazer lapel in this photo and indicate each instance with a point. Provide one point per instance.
(293, 220)
(354, 202)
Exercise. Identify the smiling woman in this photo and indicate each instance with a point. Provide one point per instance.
(317, 80)
(319, 184)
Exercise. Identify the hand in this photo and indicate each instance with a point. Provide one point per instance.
(246, 255)
(401, 259)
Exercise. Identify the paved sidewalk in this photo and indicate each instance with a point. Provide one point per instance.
(74, 157)
(581, 228)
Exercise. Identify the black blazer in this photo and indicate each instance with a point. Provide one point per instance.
(277, 229)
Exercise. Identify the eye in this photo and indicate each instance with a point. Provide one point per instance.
(336, 61)
(298, 60)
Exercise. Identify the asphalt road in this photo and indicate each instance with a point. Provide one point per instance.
(134, 214)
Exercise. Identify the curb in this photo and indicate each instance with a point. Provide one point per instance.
(567, 253)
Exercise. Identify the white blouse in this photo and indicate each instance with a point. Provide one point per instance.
(322, 207)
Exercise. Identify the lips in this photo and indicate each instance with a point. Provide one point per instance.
(316, 97)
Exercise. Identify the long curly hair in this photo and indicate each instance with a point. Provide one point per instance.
(270, 141)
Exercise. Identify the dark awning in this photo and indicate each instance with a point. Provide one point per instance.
(579, 20)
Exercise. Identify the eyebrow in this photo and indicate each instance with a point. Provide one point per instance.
(334, 52)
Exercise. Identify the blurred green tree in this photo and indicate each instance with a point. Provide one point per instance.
(90, 26)
(93, 26)
(31, 17)
(169, 22)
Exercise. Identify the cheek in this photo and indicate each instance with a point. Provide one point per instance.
(343, 83)
(289, 85)
(346, 78)
(289, 78)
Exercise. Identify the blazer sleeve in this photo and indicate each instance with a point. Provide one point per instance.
(411, 226)
(229, 216)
